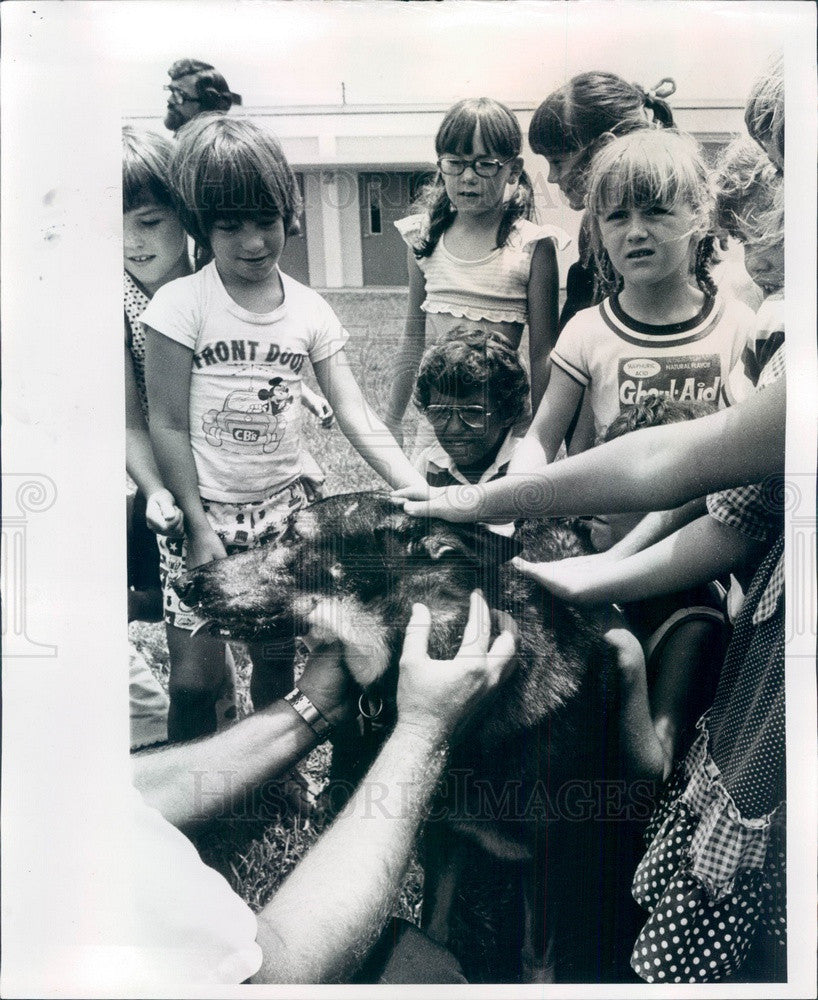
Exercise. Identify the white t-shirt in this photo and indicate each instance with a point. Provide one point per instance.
(623, 361)
(151, 919)
(245, 386)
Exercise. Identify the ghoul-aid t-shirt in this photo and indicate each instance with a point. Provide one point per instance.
(623, 361)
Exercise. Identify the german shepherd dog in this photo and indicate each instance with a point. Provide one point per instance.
(504, 870)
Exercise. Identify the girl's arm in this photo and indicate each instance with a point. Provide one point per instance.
(548, 428)
(643, 754)
(161, 513)
(654, 527)
(697, 553)
(694, 648)
(543, 315)
(167, 375)
(652, 469)
(410, 351)
(361, 426)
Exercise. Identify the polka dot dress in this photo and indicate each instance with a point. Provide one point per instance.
(713, 877)
(136, 302)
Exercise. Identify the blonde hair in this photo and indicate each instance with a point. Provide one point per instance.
(764, 114)
(749, 194)
(652, 167)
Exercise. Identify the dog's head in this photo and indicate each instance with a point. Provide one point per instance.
(350, 567)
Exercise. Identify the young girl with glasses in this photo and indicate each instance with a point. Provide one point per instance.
(473, 252)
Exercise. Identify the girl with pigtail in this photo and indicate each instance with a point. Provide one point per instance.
(658, 333)
(568, 129)
(473, 252)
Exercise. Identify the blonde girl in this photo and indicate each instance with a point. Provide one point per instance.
(663, 330)
(569, 128)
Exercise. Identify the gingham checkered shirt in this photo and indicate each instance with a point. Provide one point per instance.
(756, 510)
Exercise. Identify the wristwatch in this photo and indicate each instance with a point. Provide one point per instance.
(309, 713)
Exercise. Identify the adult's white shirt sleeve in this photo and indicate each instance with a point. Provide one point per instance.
(165, 922)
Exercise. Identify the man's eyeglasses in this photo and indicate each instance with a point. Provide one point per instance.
(179, 96)
(483, 166)
(473, 417)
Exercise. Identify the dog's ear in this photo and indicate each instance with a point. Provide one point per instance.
(439, 545)
(473, 542)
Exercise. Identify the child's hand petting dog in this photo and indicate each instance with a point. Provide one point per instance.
(203, 546)
(162, 514)
(569, 579)
(436, 698)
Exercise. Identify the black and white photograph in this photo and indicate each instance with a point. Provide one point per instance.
(409, 540)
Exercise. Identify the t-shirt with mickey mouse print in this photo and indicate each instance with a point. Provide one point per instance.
(245, 386)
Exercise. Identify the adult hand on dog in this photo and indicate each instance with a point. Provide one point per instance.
(326, 682)
(203, 546)
(436, 698)
(162, 514)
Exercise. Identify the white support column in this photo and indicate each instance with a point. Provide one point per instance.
(350, 219)
(313, 199)
(332, 195)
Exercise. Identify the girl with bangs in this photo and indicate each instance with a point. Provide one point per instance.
(225, 352)
(663, 331)
(474, 254)
(570, 126)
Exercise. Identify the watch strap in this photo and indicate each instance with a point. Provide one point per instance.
(308, 712)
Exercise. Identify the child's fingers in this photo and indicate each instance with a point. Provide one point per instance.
(530, 569)
(411, 493)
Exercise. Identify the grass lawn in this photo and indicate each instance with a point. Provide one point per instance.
(254, 854)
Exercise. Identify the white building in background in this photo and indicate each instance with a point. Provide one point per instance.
(360, 166)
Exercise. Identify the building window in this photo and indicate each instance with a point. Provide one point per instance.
(374, 202)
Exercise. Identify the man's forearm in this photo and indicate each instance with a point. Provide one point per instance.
(206, 778)
(322, 921)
